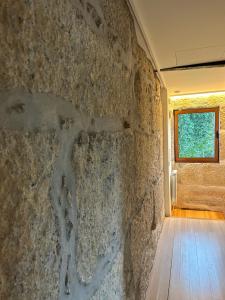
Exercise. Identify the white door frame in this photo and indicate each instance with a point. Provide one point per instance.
(166, 152)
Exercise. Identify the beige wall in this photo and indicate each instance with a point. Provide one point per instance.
(202, 185)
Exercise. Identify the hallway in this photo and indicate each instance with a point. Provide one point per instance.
(190, 261)
(112, 119)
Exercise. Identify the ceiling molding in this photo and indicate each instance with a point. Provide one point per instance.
(210, 64)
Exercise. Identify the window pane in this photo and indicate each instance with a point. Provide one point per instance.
(196, 135)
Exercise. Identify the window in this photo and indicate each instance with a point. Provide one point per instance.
(196, 135)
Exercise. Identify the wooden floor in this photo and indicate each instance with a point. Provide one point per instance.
(190, 261)
(198, 214)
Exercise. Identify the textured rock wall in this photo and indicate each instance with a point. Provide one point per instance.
(81, 185)
(202, 185)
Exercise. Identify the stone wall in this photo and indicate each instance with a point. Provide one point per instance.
(202, 185)
(81, 185)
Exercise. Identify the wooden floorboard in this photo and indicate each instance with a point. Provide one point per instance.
(162, 266)
(190, 261)
(198, 214)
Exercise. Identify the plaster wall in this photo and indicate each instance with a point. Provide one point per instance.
(202, 185)
(81, 163)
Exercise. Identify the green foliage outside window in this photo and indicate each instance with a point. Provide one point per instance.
(196, 135)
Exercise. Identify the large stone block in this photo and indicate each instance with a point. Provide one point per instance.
(201, 174)
(148, 151)
(61, 55)
(29, 245)
(147, 96)
(144, 233)
(121, 33)
(113, 285)
(98, 168)
(201, 197)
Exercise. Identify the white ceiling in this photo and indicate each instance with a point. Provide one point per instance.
(183, 32)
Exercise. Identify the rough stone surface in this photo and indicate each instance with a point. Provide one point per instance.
(113, 286)
(98, 167)
(202, 197)
(81, 152)
(61, 55)
(29, 240)
(202, 185)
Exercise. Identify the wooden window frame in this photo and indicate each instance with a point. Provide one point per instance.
(214, 159)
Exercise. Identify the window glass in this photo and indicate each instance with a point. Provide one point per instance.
(196, 135)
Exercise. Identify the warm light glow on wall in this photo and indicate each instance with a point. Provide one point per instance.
(200, 95)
